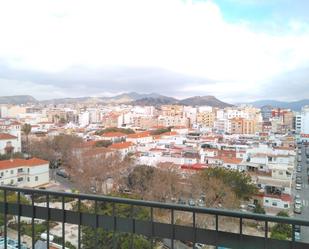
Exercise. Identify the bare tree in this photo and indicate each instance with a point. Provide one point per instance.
(92, 171)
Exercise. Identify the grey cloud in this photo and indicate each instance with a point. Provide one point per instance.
(292, 85)
(82, 81)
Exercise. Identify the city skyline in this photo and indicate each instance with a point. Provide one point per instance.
(235, 50)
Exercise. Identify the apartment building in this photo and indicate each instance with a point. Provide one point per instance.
(32, 172)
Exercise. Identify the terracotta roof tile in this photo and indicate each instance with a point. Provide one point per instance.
(6, 136)
(122, 145)
(6, 164)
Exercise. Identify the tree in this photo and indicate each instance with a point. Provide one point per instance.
(139, 179)
(259, 209)
(26, 129)
(60, 147)
(161, 131)
(115, 129)
(103, 143)
(99, 238)
(97, 169)
(239, 182)
(155, 183)
(9, 149)
(281, 231)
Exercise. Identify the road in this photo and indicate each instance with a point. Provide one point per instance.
(304, 195)
(65, 182)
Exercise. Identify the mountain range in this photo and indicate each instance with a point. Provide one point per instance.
(125, 98)
(151, 99)
(17, 100)
(293, 105)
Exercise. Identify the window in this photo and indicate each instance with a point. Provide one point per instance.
(2, 183)
(286, 205)
(28, 179)
(2, 174)
(28, 170)
(12, 182)
(12, 172)
(20, 179)
(36, 178)
(274, 204)
(267, 201)
(20, 170)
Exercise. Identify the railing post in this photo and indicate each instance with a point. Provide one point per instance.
(173, 228)
(18, 219)
(152, 227)
(217, 229)
(32, 221)
(79, 223)
(63, 222)
(194, 229)
(240, 230)
(115, 225)
(5, 218)
(96, 223)
(48, 218)
(266, 235)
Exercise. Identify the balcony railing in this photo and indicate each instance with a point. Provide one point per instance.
(164, 221)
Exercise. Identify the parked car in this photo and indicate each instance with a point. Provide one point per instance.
(298, 186)
(298, 202)
(298, 180)
(298, 169)
(191, 202)
(297, 196)
(201, 203)
(182, 201)
(297, 209)
(199, 246)
(62, 174)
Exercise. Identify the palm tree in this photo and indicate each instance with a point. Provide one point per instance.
(26, 129)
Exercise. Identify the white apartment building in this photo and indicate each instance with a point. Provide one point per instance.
(84, 119)
(32, 172)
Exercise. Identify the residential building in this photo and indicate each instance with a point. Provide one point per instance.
(32, 172)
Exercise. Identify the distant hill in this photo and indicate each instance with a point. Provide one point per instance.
(117, 99)
(204, 100)
(294, 105)
(132, 98)
(17, 100)
(155, 101)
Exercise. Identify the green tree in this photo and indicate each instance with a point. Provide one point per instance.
(103, 143)
(239, 182)
(259, 209)
(115, 129)
(139, 179)
(13, 155)
(100, 238)
(161, 131)
(281, 231)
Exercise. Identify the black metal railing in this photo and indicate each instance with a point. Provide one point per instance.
(159, 222)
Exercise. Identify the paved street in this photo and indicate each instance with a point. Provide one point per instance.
(304, 195)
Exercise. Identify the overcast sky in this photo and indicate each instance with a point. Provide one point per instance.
(237, 50)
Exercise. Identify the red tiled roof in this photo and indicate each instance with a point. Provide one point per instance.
(232, 160)
(6, 136)
(171, 133)
(122, 145)
(196, 166)
(113, 134)
(6, 164)
(139, 135)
